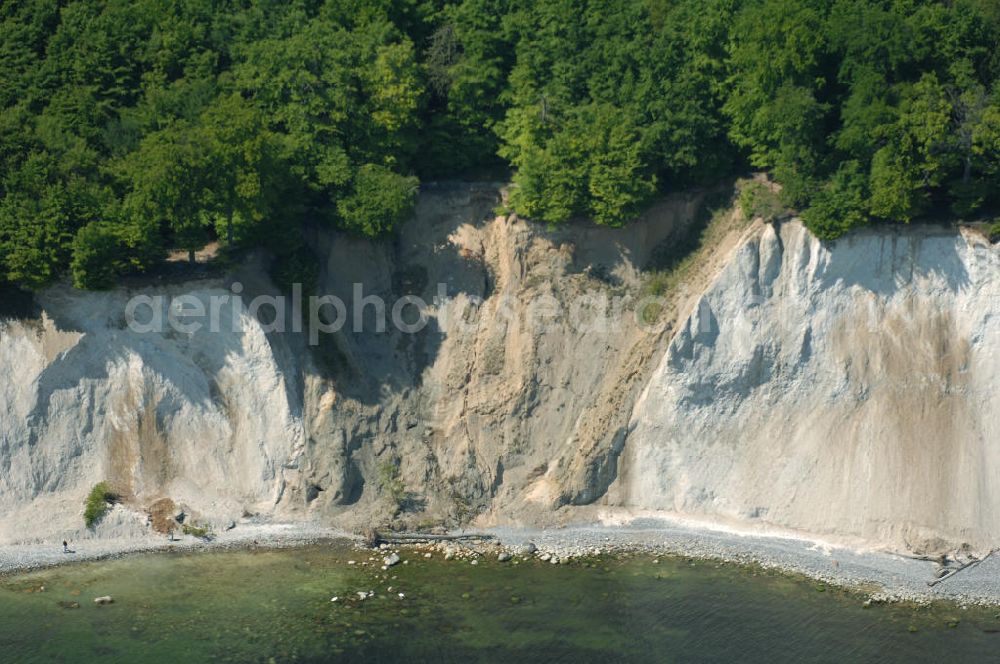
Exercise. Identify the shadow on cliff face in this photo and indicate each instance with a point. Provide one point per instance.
(189, 373)
(369, 357)
(131, 386)
(900, 257)
(16, 303)
(684, 238)
(659, 239)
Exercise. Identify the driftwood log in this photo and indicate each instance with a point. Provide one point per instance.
(951, 573)
(419, 538)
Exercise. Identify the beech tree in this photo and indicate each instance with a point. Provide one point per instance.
(133, 127)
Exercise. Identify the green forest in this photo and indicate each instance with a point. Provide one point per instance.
(134, 127)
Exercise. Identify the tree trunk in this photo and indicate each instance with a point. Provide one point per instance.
(229, 230)
(415, 538)
(191, 255)
(967, 149)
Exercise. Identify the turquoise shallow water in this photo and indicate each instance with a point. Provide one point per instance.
(274, 605)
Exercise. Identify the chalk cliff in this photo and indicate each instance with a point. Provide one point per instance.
(847, 390)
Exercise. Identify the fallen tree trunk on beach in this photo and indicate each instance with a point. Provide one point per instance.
(951, 573)
(418, 538)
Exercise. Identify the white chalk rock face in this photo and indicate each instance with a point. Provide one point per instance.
(848, 389)
(203, 417)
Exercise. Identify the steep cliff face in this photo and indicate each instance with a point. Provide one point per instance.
(513, 400)
(846, 390)
(479, 411)
(206, 418)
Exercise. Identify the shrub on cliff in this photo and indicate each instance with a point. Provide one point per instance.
(757, 199)
(201, 532)
(99, 500)
(392, 483)
(994, 232)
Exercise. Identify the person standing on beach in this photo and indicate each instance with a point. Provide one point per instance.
(65, 546)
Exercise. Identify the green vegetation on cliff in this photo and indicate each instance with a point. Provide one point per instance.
(98, 502)
(131, 128)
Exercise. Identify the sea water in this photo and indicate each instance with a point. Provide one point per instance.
(274, 605)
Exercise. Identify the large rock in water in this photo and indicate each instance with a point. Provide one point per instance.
(848, 389)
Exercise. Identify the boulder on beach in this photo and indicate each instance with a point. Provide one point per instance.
(391, 559)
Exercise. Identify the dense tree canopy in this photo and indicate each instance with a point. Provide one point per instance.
(869, 109)
(132, 127)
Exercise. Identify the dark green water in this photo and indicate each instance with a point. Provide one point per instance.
(259, 606)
